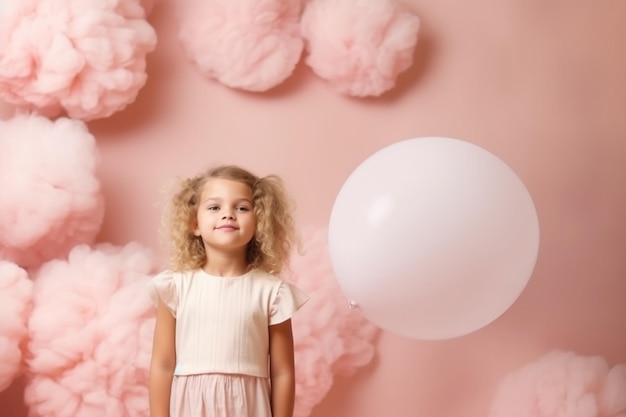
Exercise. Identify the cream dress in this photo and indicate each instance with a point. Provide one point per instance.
(222, 339)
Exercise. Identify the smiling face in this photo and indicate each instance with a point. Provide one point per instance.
(226, 219)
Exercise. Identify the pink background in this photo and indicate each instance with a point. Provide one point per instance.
(541, 84)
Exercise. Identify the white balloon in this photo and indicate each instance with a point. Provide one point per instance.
(433, 237)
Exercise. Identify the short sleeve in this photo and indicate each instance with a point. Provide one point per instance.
(288, 300)
(163, 287)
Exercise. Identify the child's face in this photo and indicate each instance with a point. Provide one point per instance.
(226, 219)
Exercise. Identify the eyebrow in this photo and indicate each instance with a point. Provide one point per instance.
(238, 200)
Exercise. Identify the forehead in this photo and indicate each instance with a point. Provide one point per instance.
(220, 188)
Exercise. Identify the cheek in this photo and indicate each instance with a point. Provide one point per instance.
(252, 224)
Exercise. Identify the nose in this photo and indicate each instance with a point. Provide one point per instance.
(228, 216)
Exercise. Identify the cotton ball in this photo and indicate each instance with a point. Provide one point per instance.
(359, 46)
(250, 45)
(50, 198)
(81, 57)
(91, 334)
(15, 304)
(329, 338)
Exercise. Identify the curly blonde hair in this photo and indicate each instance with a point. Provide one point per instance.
(275, 235)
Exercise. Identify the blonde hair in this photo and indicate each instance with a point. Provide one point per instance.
(269, 249)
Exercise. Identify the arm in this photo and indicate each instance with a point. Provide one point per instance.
(162, 363)
(282, 369)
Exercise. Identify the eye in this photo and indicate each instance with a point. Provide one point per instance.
(213, 208)
(242, 208)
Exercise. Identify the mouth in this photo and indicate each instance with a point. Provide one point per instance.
(227, 228)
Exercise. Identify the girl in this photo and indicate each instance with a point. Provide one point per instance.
(223, 344)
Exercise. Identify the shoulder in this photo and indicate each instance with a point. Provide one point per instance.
(259, 275)
(172, 276)
(262, 279)
(168, 274)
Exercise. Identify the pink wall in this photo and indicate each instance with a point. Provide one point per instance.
(539, 83)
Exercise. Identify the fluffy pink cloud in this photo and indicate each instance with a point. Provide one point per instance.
(330, 339)
(91, 334)
(250, 45)
(563, 384)
(50, 196)
(15, 304)
(359, 46)
(83, 58)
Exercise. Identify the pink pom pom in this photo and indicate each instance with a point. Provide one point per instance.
(329, 337)
(91, 334)
(50, 198)
(251, 45)
(15, 304)
(562, 384)
(359, 46)
(84, 57)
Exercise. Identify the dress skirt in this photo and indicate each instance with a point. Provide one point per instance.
(220, 395)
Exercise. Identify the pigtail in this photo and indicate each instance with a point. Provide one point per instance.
(186, 249)
(275, 236)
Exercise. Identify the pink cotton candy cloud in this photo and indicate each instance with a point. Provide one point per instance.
(91, 334)
(83, 58)
(50, 197)
(250, 45)
(359, 46)
(15, 304)
(563, 384)
(330, 339)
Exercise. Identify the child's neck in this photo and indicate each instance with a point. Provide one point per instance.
(225, 265)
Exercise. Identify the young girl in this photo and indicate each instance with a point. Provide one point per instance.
(223, 344)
